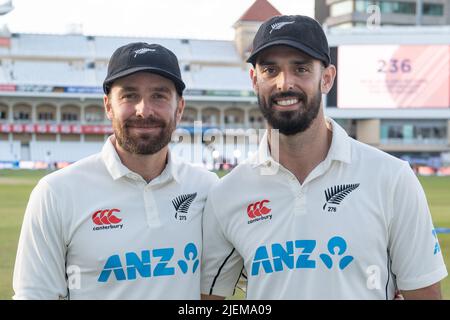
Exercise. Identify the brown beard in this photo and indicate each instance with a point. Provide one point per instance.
(147, 143)
(291, 122)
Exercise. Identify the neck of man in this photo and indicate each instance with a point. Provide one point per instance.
(147, 166)
(302, 152)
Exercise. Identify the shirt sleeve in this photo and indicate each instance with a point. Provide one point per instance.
(39, 271)
(414, 248)
(221, 263)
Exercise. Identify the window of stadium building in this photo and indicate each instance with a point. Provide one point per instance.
(94, 117)
(349, 126)
(23, 116)
(69, 117)
(433, 9)
(210, 119)
(234, 120)
(414, 132)
(397, 7)
(253, 119)
(45, 116)
(3, 115)
(256, 122)
(341, 8)
(189, 115)
(387, 6)
(361, 5)
(188, 118)
(94, 113)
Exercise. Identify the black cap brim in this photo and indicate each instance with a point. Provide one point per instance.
(179, 84)
(289, 43)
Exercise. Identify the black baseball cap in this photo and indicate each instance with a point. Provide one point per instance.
(300, 32)
(141, 56)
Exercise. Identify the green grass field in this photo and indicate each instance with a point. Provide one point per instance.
(15, 188)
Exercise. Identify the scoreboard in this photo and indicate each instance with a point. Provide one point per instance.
(393, 76)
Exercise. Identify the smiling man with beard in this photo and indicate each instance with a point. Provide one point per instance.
(315, 214)
(124, 223)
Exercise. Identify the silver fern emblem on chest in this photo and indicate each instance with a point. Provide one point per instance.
(182, 204)
(279, 25)
(336, 194)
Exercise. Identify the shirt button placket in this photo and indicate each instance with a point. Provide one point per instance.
(151, 210)
(301, 200)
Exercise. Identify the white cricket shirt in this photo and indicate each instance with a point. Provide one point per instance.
(96, 230)
(357, 228)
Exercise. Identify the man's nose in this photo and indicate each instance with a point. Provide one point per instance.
(285, 81)
(144, 108)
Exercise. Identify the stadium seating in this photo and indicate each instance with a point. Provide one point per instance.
(214, 51)
(76, 73)
(9, 151)
(62, 151)
(4, 74)
(78, 60)
(50, 73)
(105, 46)
(49, 151)
(224, 152)
(221, 78)
(45, 45)
(206, 65)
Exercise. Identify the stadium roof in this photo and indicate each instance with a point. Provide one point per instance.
(53, 46)
(260, 11)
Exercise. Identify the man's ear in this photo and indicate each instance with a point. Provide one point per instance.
(254, 79)
(108, 108)
(328, 76)
(180, 109)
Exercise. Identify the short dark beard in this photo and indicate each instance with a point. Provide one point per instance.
(144, 144)
(291, 122)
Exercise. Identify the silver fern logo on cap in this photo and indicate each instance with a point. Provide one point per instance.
(279, 25)
(142, 51)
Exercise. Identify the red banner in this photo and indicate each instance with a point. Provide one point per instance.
(7, 87)
(5, 42)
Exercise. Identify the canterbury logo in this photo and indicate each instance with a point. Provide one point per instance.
(279, 25)
(142, 51)
(105, 217)
(336, 194)
(182, 204)
(257, 209)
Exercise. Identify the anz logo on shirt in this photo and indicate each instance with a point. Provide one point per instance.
(150, 263)
(297, 255)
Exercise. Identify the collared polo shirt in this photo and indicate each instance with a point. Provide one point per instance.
(358, 227)
(96, 230)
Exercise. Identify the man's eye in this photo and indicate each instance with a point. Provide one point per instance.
(158, 96)
(302, 70)
(269, 70)
(130, 96)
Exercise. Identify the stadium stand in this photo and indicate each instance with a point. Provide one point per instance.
(214, 51)
(9, 151)
(51, 73)
(62, 151)
(49, 45)
(221, 78)
(104, 46)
